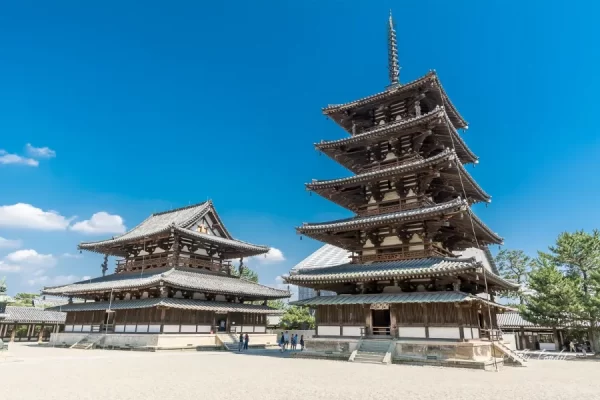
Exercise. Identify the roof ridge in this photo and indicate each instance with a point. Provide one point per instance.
(181, 208)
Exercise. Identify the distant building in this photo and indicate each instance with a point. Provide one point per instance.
(326, 256)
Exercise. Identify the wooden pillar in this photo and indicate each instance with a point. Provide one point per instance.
(393, 323)
(522, 339)
(368, 320)
(29, 331)
(2, 329)
(163, 313)
(461, 321)
(13, 333)
(426, 319)
(41, 334)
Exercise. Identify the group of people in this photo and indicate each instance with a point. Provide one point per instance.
(286, 340)
(244, 339)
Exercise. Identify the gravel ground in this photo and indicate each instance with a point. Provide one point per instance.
(31, 372)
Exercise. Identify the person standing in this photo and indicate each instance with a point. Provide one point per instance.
(282, 342)
(572, 346)
(246, 340)
(241, 344)
(287, 339)
(293, 342)
(301, 342)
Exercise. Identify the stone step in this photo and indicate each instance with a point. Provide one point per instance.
(369, 356)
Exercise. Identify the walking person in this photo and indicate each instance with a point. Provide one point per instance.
(241, 343)
(301, 342)
(572, 347)
(246, 340)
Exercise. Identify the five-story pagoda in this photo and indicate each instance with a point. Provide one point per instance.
(420, 260)
(173, 276)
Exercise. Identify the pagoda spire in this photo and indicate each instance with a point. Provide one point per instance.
(393, 67)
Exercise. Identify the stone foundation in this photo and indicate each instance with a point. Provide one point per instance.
(155, 341)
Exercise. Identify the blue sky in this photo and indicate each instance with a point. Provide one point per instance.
(152, 105)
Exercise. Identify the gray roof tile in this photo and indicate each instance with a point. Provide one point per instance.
(33, 315)
(185, 278)
(186, 304)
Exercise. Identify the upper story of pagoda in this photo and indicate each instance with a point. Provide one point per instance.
(193, 237)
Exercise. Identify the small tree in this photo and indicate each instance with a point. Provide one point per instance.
(553, 299)
(514, 265)
(276, 304)
(247, 273)
(297, 318)
(24, 299)
(578, 254)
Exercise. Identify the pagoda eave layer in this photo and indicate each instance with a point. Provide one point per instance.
(339, 112)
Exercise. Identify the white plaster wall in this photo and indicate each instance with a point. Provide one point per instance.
(411, 332)
(171, 329)
(119, 328)
(260, 329)
(547, 346)
(444, 332)
(475, 333)
(86, 328)
(199, 296)
(130, 328)
(188, 328)
(391, 196)
(391, 240)
(77, 328)
(68, 328)
(246, 328)
(351, 330)
(154, 328)
(324, 330)
(182, 341)
(467, 332)
(220, 297)
(142, 329)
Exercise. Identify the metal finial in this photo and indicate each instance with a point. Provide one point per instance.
(393, 67)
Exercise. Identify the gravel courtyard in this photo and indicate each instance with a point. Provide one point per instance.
(31, 372)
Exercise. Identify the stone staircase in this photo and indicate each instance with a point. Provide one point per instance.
(372, 351)
(510, 354)
(88, 342)
(229, 341)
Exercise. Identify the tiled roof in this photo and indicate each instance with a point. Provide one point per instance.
(377, 133)
(391, 91)
(186, 304)
(33, 315)
(394, 298)
(180, 220)
(349, 223)
(447, 155)
(183, 278)
(326, 256)
(417, 268)
(407, 269)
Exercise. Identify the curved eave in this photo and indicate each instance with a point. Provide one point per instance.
(493, 237)
(430, 77)
(334, 147)
(246, 249)
(445, 155)
(360, 222)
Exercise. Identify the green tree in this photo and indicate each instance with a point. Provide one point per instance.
(552, 299)
(297, 318)
(514, 265)
(578, 254)
(247, 273)
(276, 304)
(24, 299)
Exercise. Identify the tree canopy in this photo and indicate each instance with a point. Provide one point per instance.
(514, 265)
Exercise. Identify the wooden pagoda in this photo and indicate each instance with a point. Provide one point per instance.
(173, 275)
(420, 265)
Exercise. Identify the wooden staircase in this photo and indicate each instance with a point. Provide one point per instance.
(372, 351)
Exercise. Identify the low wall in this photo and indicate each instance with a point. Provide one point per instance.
(325, 345)
(428, 350)
(307, 333)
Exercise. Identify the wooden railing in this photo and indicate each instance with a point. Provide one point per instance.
(404, 254)
(164, 261)
(394, 208)
(381, 330)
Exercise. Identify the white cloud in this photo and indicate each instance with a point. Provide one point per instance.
(39, 152)
(70, 255)
(8, 158)
(101, 222)
(31, 257)
(9, 244)
(45, 280)
(273, 256)
(6, 267)
(23, 215)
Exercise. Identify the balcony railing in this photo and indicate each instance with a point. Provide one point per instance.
(405, 253)
(395, 207)
(168, 260)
